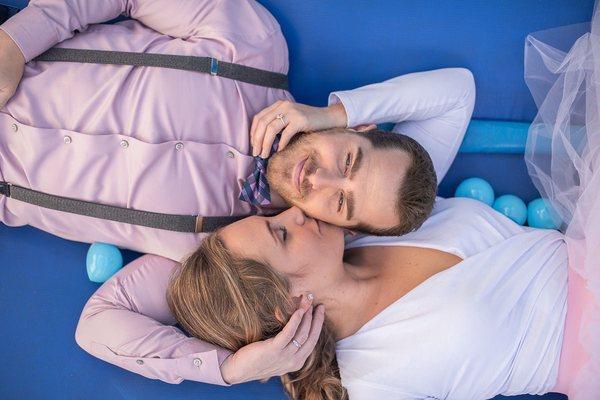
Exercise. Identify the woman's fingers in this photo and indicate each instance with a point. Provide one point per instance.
(314, 334)
(259, 126)
(302, 332)
(283, 338)
(288, 133)
(273, 128)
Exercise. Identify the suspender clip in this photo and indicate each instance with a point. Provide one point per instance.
(214, 66)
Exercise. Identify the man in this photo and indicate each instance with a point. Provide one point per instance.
(177, 142)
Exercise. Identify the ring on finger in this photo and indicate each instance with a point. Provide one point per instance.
(296, 343)
(281, 117)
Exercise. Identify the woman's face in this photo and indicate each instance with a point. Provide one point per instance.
(297, 246)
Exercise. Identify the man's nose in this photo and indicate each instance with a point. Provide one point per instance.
(324, 179)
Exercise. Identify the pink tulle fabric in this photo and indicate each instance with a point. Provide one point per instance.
(562, 70)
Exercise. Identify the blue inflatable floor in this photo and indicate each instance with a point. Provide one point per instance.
(335, 44)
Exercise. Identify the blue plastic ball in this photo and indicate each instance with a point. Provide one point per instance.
(103, 261)
(513, 207)
(541, 215)
(476, 188)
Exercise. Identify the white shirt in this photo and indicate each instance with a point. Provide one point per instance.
(432, 107)
(493, 323)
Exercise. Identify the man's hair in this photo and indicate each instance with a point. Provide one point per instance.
(417, 187)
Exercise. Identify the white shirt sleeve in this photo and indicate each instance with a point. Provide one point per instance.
(432, 107)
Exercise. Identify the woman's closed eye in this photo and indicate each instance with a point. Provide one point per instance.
(284, 233)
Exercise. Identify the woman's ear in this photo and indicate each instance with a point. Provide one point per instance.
(303, 301)
(279, 316)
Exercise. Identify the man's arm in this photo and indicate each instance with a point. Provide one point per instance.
(127, 322)
(432, 107)
(44, 23)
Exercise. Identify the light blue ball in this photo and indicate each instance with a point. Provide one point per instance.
(513, 207)
(476, 188)
(103, 261)
(541, 215)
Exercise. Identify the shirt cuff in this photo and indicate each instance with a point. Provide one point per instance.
(346, 100)
(32, 31)
(203, 367)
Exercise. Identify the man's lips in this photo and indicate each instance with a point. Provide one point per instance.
(298, 174)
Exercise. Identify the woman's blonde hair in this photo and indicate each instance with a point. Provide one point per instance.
(231, 302)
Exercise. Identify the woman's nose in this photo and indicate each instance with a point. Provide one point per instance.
(295, 216)
(323, 179)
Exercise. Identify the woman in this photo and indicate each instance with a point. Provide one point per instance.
(469, 306)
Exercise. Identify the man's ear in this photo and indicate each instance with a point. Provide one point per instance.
(364, 128)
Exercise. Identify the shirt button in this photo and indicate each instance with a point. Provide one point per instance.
(124, 144)
(14, 127)
(197, 362)
(67, 139)
(140, 362)
(178, 146)
(230, 154)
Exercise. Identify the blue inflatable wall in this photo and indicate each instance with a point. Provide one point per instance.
(334, 44)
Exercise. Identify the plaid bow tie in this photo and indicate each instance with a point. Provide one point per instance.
(256, 188)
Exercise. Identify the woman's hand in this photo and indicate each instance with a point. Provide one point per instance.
(12, 64)
(279, 355)
(296, 118)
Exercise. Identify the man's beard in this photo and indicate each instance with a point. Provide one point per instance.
(281, 167)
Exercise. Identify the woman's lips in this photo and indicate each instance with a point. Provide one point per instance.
(297, 176)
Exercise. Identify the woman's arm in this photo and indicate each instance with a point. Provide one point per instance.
(127, 322)
(432, 107)
(44, 23)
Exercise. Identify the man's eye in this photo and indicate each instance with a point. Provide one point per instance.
(348, 159)
(341, 202)
(283, 230)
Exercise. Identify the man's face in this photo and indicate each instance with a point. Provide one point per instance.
(338, 177)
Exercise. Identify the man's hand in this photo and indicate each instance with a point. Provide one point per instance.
(279, 355)
(296, 118)
(12, 64)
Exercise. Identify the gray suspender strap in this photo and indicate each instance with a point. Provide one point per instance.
(207, 65)
(178, 223)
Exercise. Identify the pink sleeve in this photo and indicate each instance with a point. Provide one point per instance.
(127, 322)
(44, 23)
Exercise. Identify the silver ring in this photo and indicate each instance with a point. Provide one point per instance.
(296, 343)
(281, 117)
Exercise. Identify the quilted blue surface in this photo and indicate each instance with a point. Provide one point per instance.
(334, 44)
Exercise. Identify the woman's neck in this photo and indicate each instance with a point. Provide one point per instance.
(348, 298)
